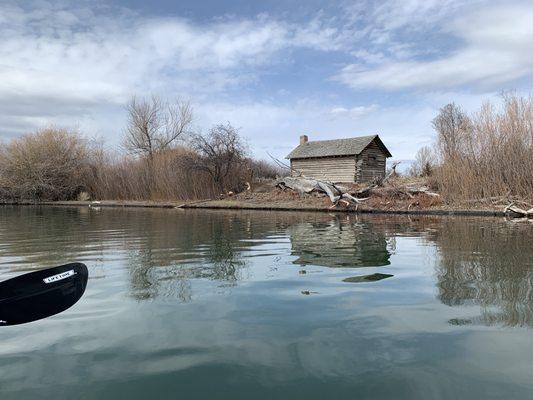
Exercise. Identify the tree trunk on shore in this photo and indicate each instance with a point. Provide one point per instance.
(336, 193)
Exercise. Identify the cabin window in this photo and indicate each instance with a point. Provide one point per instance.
(372, 160)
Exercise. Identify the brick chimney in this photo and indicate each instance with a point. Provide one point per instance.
(303, 139)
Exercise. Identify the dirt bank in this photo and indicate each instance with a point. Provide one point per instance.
(315, 203)
(268, 197)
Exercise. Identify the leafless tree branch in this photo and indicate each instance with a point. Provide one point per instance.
(154, 125)
(219, 153)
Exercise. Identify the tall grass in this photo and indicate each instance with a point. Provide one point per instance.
(58, 164)
(128, 178)
(490, 154)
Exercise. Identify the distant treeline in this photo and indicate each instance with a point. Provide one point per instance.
(162, 158)
(483, 155)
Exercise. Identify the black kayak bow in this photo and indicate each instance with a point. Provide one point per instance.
(42, 293)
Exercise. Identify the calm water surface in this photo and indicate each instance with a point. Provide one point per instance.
(264, 305)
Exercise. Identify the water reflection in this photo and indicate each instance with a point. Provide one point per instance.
(367, 278)
(182, 296)
(339, 241)
(485, 263)
(189, 247)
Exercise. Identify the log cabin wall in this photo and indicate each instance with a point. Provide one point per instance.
(370, 163)
(363, 167)
(334, 169)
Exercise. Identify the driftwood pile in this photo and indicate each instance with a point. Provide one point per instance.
(341, 195)
(336, 193)
(513, 211)
(345, 196)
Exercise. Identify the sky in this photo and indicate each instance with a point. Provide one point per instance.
(274, 69)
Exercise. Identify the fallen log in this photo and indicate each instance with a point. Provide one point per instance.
(302, 185)
(336, 193)
(515, 212)
(341, 195)
(333, 194)
(421, 190)
(397, 191)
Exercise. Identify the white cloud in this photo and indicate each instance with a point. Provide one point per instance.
(106, 62)
(494, 51)
(354, 112)
(76, 66)
(390, 28)
(414, 15)
(50, 51)
(80, 59)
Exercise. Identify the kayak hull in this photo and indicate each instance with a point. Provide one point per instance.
(42, 293)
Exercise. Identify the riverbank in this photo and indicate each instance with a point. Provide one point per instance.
(386, 200)
(240, 204)
(243, 205)
(400, 195)
(95, 204)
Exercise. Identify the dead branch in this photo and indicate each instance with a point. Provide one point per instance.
(515, 212)
(395, 191)
(281, 164)
(365, 192)
(392, 172)
(337, 194)
(421, 190)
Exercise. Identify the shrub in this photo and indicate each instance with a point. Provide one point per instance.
(50, 164)
(488, 154)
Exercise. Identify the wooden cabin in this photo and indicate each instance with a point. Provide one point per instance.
(358, 159)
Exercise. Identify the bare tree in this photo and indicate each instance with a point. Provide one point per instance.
(154, 125)
(424, 162)
(451, 125)
(264, 169)
(220, 153)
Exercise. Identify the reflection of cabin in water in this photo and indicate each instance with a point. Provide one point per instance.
(358, 159)
(339, 244)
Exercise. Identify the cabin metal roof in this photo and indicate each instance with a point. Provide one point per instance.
(337, 147)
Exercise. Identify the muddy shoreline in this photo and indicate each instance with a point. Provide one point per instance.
(243, 205)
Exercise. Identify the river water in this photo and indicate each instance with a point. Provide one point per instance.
(272, 305)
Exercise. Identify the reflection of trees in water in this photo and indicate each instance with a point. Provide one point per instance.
(46, 236)
(186, 246)
(223, 247)
(158, 272)
(487, 264)
(165, 249)
(482, 262)
(342, 241)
